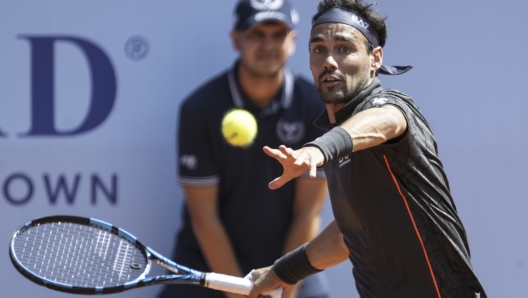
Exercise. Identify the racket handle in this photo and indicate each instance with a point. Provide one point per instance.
(235, 285)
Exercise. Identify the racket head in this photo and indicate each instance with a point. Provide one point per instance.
(78, 255)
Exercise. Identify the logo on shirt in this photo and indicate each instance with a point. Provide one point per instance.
(189, 161)
(344, 160)
(379, 101)
(290, 132)
(267, 4)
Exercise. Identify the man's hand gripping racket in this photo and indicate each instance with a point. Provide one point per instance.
(88, 256)
(263, 279)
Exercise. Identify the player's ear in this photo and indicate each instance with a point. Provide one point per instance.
(376, 58)
(235, 39)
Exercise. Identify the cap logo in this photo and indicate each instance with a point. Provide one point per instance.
(266, 4)
(264, 15)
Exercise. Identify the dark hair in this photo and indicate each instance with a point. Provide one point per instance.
(365, 10)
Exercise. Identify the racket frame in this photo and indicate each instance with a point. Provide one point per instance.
(183, 274)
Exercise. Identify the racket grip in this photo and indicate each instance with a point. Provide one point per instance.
(235, 285)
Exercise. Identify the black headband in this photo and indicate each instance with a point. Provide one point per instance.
(352, 18)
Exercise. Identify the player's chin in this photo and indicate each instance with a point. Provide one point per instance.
(331, 96)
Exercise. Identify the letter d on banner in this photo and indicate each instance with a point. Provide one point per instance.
(42, 96)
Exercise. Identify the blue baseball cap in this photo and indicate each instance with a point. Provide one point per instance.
(249, 12)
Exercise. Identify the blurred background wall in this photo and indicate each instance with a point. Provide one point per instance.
(89, 93)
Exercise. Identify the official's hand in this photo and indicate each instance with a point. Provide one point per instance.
(295, 162)
(264, 280)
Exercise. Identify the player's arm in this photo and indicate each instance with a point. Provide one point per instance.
(366, 129)
(324, 251)
(373, 127)
(202, 204)
(328, 248)
(310, 195)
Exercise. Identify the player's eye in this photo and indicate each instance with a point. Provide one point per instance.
(345, 50)
(318, 50)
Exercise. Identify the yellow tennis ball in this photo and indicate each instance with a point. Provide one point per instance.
(239, 128)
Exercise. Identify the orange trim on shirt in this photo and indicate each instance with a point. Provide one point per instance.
(415, 227)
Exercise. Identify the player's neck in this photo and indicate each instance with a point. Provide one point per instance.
(261, 90)
(331, 109)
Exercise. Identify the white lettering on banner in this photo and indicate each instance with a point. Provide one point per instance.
(18, 188)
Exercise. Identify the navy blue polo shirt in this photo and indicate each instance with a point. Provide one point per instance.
(256, 218)
(393, 205)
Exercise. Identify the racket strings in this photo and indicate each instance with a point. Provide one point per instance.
(79, 255)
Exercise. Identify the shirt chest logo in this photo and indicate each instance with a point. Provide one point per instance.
(290, 132)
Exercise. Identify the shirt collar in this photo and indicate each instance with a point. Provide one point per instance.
(323, 121)
(240, 101)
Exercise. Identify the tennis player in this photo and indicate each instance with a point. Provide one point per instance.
(395, 218)
(226, 225)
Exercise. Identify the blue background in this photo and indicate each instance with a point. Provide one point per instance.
(469, 80)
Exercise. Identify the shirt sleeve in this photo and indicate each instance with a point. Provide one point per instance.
(381, 100)
(195, 159)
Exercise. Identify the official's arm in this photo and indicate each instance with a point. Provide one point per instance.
(202, 204)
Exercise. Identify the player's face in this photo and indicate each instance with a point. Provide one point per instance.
(340, 63)
(265, 47)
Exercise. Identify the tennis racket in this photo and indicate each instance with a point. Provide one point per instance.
(88, 256)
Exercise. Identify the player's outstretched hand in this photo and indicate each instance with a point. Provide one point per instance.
(295, 162)
(264, 280)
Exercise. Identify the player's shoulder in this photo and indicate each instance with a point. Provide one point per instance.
(386, 96)
(394, 93)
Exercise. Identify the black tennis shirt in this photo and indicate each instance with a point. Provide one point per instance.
(393, 205)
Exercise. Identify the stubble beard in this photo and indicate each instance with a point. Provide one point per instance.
(341, 96)
(344, 95)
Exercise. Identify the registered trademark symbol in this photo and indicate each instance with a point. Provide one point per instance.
(136, 48)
